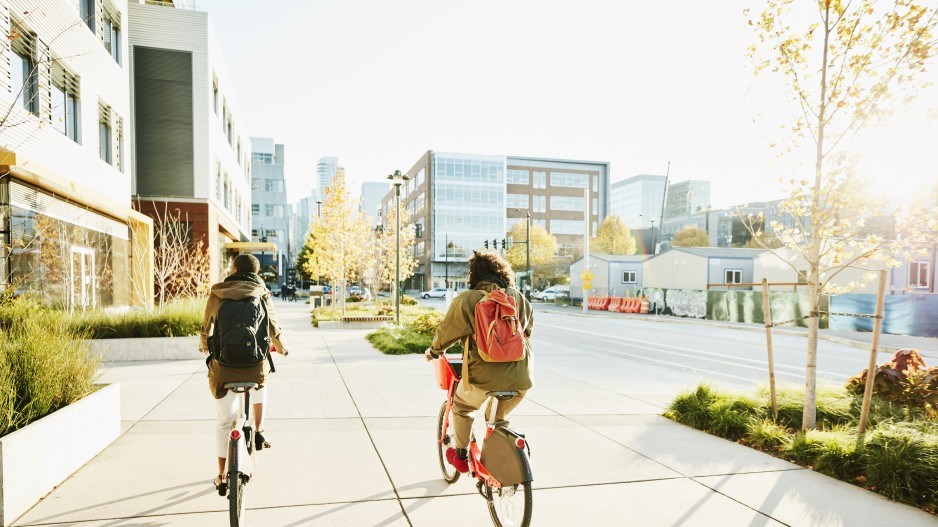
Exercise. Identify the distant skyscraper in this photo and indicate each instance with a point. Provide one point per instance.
(325, 171)
(372, 193)
(684, 200)
(637, 200)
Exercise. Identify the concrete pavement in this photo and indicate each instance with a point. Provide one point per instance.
(353, 445)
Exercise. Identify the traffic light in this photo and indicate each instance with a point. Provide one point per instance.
(486, 244)
(511, 242)
(495, 244)
(504, 244)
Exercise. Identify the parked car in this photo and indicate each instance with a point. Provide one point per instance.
(325, 289)
(359, 291)
(551, 292)
(436, 292)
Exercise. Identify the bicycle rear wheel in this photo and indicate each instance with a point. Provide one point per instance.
(511, 505)
(450, 474)
(235, 498)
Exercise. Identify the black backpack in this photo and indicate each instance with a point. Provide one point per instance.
(241, 337)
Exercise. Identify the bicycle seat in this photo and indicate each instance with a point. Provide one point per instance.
(242, 385)
(503, 395)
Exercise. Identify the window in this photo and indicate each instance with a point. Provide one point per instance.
(86, 11)
(215, 94)
(112, 33)
(519, 177)
(629, 277)
(540, 203)
(65, 102)
(567, 203)
(273, 185)
(567, 227)
(273, 210)
(568, 179)
(119, 153)
(595, 183)
(253, 233)
(272, 233)
(227, 194)
(540, 179)
(918, 274)
(23, 69)
(104, 133)
(255, 184)
(516, 201)
(224, 114)
(733, 276)
(255, 209)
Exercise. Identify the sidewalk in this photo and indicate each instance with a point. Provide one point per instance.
(928, 347)
(352, 429)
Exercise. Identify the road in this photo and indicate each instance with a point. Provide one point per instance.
(717, 355)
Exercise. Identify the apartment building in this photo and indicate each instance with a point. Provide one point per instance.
(192, 153)
(458, 201)
(270, 219)
(67, 227)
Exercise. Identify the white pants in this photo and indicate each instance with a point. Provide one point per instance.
(227, 409)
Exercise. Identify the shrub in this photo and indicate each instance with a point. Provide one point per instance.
(399, 341)
(407, 300)
(44, 365)
(427, 322)
(834, 407)
(904, 380)
(730, 416)
(178, 318)
(765, 434)
(692, 409)
(835, 453)
(902, 466)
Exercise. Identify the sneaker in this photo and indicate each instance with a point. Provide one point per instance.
(260, 442)
(462, 465)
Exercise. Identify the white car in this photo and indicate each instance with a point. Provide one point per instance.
(436, 292)
(551, 292)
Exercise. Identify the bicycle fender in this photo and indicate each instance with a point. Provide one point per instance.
(504, 460)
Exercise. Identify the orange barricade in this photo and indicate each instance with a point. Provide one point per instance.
(628, 307)
(644, 306)
(614, 303)
(605, 304)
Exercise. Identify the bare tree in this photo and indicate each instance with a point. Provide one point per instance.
(180, 266)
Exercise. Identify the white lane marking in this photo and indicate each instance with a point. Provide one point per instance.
(696, 352)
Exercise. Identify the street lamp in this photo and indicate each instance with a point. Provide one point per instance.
(319, 210)
(397, 179)
(652, 233)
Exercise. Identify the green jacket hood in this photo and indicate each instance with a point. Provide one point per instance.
(238, 290)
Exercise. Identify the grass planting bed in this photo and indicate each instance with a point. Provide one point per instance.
(897, 458)
(178, 318)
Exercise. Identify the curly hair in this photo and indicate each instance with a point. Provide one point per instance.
(488, 265)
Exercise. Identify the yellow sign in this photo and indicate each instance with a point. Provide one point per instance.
(587, 285)
(587, 275)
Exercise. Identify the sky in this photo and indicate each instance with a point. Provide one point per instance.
(638, 84)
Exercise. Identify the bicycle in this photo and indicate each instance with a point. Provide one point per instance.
(501, 465)
(240, 441)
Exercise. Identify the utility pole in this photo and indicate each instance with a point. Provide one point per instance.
(527, 247)
(664, 197)
(446, 260)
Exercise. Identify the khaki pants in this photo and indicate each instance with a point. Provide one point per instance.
(468, 399)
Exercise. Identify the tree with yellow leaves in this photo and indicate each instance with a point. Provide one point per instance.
(340, 241)
(543, 248)
(844, 65)
(691, 237)
(613, 237)
(386, 250)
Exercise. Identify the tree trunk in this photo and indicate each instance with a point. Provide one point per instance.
(809, 417)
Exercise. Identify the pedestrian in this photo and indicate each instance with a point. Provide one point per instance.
(284, 291)
(242, 284)
(293, 293)
(488, 272)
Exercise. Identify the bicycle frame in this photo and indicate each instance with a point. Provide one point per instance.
(476, 468)
(245, 433)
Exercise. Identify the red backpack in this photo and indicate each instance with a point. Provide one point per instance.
(499, 336)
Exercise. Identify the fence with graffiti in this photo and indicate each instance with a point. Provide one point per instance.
(732, 306)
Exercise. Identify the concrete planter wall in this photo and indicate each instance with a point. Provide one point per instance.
(155, 348)
(37, 458)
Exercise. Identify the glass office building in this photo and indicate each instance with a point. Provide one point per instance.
(468, 205)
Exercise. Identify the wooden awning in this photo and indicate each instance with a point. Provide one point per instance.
(252, 247)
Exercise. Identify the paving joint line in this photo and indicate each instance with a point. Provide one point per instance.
(368, 432)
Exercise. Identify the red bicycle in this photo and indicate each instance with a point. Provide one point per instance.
(501, 465)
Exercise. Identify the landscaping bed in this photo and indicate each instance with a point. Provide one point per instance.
(178, 318)
(897, 458)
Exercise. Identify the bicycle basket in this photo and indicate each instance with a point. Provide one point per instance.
(447, 372)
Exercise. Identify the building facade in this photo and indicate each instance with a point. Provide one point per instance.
(192, 154)
(459, 201)
(270, 221)
(684, 199)
(638, 200)
(372, 194)
(67, 227)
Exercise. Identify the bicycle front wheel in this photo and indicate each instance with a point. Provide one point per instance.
(450, 474)
(510, 506)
